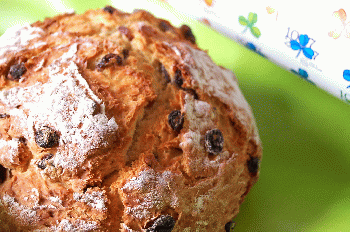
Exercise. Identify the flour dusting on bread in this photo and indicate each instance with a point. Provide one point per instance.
(16, 38)
(114, 121)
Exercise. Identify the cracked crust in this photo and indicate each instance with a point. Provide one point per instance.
(98, 88)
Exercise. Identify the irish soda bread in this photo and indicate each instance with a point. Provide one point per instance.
(113, 121)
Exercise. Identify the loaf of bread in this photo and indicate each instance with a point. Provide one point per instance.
(114, 121)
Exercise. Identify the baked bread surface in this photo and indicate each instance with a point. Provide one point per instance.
(114, 121)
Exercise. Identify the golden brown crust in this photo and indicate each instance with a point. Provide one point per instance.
(87, 143)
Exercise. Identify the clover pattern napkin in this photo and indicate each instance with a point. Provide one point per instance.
(308, 38)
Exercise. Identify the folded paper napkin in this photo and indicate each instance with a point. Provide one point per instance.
(311, 40)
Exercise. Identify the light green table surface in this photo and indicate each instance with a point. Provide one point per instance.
(305, 173)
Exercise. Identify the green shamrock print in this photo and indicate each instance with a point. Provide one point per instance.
(249, 23)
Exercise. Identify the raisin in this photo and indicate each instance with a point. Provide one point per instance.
(22, 140)
(229, 227)
(164, 25)
(126, 31)
(17, 71)
(125, 53)
(192, 92)
(214, 141)
(42, 163)
(4, 115)
(164, 73)
(108, 60)
(109, 9)
(253, 164)
(176, 120)
(164, 223)
(3, 174)
(187, 33)
(46, 137)
(178, 78)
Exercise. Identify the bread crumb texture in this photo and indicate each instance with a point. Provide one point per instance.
(114, 121)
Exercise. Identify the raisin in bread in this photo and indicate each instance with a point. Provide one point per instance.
(114, 121)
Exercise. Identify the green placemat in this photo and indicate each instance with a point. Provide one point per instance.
(304, 183)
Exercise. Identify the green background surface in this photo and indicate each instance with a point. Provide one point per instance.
(304, 180)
